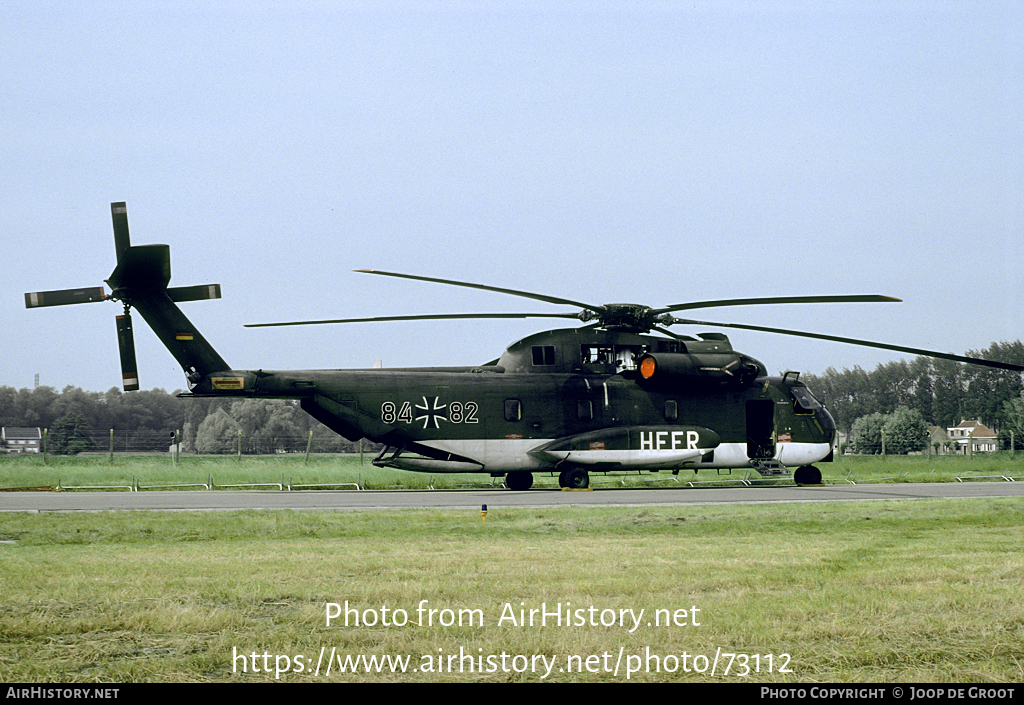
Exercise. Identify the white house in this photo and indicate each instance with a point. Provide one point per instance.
(21, 440)
(973, 437)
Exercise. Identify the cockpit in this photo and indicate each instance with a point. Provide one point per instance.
(804, 403)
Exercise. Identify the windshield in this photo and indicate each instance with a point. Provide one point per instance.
(803, 401)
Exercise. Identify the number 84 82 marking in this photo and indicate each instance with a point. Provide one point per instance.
(430, 411)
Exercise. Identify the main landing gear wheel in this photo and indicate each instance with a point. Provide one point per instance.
(807, 475)
(575, 479)
(519, 480)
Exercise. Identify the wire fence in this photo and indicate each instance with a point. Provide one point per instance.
(115, 441)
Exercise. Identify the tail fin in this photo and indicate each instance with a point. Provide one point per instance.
(140, 281)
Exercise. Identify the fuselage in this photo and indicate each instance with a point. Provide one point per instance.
(570, 398)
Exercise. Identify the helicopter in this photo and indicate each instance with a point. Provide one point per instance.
(622, 392)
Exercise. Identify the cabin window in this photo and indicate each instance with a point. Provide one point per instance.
(597, 354)
(671, 410)
(513, 410)
(622, 356)
(543, 354)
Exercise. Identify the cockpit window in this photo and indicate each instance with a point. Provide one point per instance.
(803, 401)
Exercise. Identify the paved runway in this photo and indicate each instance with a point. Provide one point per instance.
(463, 499)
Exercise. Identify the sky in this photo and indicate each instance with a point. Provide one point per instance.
(605, 152)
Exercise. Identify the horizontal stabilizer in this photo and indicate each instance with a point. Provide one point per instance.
(64, 297)
(194, 293)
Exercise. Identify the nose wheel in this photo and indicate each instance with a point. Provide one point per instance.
(574, 479)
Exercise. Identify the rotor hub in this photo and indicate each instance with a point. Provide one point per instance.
(635, 318)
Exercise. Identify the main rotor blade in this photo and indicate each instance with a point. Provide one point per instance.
(484, 287)
(857, 298)
(65, 297)
(425, 317)
(865, 343)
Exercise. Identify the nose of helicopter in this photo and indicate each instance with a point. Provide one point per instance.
(828, 424)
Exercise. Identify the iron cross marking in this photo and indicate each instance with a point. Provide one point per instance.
(432, 412)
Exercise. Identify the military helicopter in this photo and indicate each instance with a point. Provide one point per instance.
(604, 397)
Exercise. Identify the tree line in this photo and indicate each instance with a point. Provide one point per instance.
(927, 392)
(145, 421)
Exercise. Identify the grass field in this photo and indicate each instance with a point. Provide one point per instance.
(190, 471)
(922, 591)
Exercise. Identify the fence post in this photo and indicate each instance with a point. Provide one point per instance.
(309, 444)
(46, 432)
(111, 446)
(239, 445)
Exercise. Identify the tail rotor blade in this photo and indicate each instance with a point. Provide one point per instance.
(126, 344)
(65, 297)
(119, 213)
(194, 293)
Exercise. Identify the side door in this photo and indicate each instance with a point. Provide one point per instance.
(760, 429)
